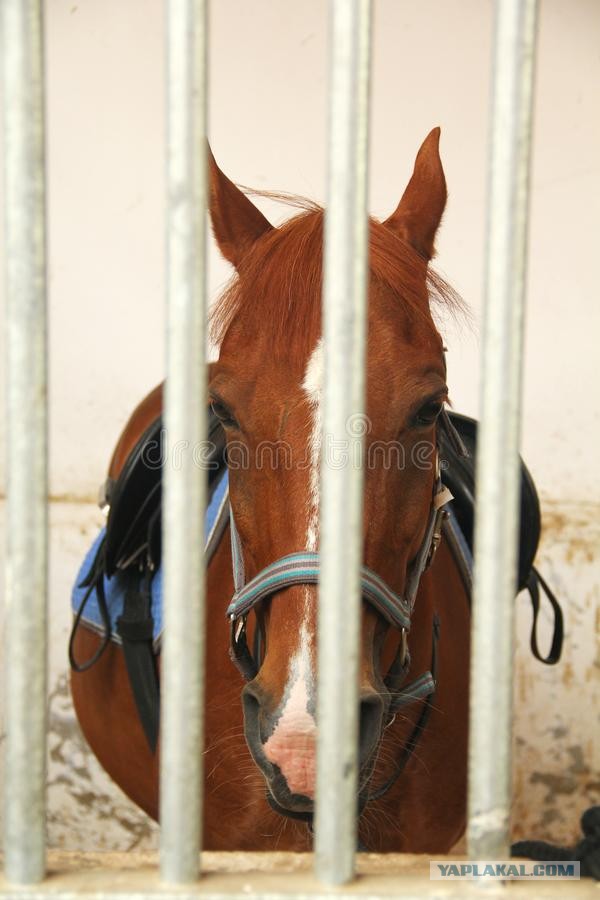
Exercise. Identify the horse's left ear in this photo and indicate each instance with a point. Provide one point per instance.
(418, 215)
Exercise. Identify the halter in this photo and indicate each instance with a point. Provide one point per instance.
(396, 609)
(303, 568)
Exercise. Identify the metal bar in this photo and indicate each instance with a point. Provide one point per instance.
(498, 485)
(185, 482)
(344, 310)
(27, 485)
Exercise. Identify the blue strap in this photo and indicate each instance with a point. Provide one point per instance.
(88, 601)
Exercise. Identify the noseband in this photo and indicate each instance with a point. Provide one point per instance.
(303, 568)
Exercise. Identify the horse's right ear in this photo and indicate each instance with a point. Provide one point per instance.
(236, 221)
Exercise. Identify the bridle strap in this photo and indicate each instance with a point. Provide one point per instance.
(433, 534)
(303, 568)
(422, 688)
(239, 650)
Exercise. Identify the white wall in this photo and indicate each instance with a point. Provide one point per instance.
(268, 116)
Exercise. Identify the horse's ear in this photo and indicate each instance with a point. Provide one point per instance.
(236, 221)
(418, 215)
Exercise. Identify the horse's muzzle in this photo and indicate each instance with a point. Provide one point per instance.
(284, 746)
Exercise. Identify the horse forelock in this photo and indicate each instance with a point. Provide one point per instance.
(276, 293)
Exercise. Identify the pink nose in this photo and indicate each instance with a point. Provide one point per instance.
(292, 748)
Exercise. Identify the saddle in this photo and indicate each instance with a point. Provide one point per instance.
(130, 554)
(459, 476)
(131, 548)
(133, 529)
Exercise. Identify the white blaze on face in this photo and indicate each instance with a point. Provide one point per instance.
(292, 745)
(312, 386)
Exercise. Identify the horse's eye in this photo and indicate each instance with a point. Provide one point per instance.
(223, 414)
(428, 413)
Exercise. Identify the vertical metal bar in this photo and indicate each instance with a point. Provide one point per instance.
(498, 484)
(344, 298)
(185, 480)
(27, 552)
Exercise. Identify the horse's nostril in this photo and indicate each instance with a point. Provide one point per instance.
(371, 720)
(251, 707)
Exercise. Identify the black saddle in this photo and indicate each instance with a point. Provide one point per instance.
(458, 473)
(133, 532)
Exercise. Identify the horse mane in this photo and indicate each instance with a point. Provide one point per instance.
(277, 289)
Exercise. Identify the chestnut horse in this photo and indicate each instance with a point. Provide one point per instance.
(266, 388)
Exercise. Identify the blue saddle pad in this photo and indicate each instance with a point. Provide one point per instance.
(114, 587)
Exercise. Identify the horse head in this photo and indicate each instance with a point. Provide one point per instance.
(266, 389)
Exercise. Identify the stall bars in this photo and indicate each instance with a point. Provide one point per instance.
(345, 268)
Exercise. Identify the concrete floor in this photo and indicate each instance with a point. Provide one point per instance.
(269, 875)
